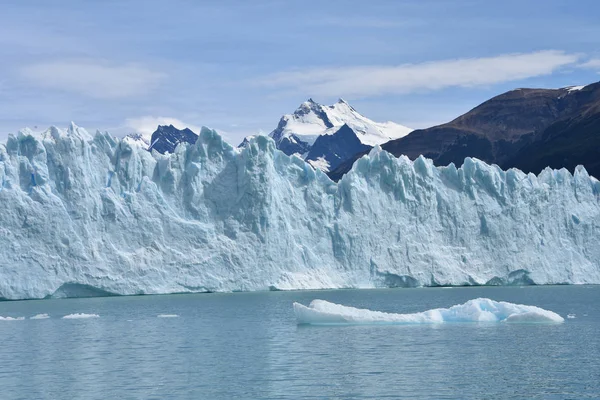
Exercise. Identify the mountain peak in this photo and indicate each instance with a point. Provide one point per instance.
(312, 120)
(137, 139)
(309, 106)
(326, 135)
(166, 138)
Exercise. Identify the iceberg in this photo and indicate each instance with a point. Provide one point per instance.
(40, 316)
(80, 316)
(92, 215)
(321, 312)
(11, 318)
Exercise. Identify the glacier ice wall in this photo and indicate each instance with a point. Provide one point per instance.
(90, 214)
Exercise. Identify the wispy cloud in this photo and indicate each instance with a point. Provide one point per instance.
(365, 81)
(146, 125)
(94, 79)
(593, 63)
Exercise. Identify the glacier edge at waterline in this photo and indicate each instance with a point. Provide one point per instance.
(93, 214)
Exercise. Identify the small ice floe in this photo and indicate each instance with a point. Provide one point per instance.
(80, 316)
(11, 318)
(571, 316)
(321, 312)
(40, 316)
(167, 316)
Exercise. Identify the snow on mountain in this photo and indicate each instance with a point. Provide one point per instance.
(325, 136)
(136, 139)
(329, 151)
(311, 120)
(320, 163)
(369, 132)
(94, 214)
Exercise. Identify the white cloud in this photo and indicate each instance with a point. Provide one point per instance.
(593, 63)
(146, 125)
(93, 79)
(364, 81)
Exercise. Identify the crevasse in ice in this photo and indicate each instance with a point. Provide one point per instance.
(90, 214)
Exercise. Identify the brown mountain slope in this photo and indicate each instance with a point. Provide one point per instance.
(505, 129)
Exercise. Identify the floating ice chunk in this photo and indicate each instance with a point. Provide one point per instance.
(542, 316)
(40, 316)
(167, 316)
(11, 318)
(571, 316)
(321, 312)
(80, 316)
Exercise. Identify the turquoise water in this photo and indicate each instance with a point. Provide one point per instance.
(248, 346)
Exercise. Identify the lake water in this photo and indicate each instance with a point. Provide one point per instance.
(248, 346)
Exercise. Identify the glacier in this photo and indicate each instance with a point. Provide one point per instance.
(90, 214)
(321, 312)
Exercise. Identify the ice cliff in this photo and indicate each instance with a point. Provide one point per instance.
(86, 214)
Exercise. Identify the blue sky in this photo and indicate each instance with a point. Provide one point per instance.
(237, 66)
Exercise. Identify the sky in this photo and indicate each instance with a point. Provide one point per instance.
(237, 66)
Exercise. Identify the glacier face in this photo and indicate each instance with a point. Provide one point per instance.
(90, 214)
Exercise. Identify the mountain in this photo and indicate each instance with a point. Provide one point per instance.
(91, 214)
(166, 138)
(525, 128)
(246, 141)
(328, 151)
(136, 139)
(566, 143)
(297, 133)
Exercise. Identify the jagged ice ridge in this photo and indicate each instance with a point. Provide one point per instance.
(91, 214)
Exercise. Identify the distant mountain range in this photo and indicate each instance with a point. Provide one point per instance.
(529, 129)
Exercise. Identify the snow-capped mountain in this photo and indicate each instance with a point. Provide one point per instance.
(136, 139)
(298, 132)
(328, 151)
(93, 214)
(166, 138)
